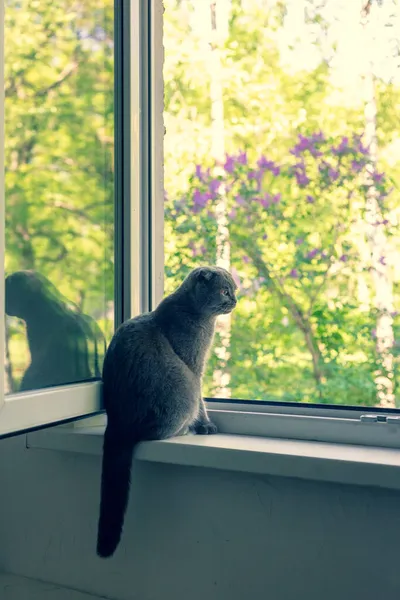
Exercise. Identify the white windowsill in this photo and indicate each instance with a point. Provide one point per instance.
(318, 461)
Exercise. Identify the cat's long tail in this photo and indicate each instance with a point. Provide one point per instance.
(115, 484)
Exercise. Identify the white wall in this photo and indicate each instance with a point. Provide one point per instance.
(196, 534)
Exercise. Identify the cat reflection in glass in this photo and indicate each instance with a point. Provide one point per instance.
(152, 379)
(65, 345)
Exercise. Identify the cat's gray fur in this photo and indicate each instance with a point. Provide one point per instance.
(152, 384)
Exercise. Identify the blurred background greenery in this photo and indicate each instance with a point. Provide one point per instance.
(283, 115)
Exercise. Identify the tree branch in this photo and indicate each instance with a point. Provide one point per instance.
(64, 75)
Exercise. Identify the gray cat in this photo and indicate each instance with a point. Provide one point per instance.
(65, 345)
(152, 384)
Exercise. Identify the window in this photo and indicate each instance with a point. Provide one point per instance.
(78, 198)
(279, 162)
(59, 188)
(59, 192)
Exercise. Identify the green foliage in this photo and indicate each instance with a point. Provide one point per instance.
(59, 150)
(304, 326)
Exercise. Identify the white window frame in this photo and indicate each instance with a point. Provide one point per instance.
(2, 303)
(140, 264)
(338, 424)
(39, 408)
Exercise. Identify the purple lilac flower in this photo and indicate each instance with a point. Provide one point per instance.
(242, 158)
(269, 165)
(266, 201)
(302, 179)
(378, 178)
(294, 274)
(255, 176)
(295, 151)
(199, 199)
(240, 200)
(333, 173)
(264, 163)
(318, 137)
(229, 165)
(342, 147)
(214, 186)
(232, 214)
(344, 258)
(359, 146)
(275, 170)
(299, 241)
(363, 149)
(356, 165)
(308, 143)
(303, 144)
(313, 253)
(178, 206)
(299, 166)
(246, 259)
(199, 172)
(315, 152)
(326, 169)
(310, 199)
(382, 261)
(264, 237)
(276, 198)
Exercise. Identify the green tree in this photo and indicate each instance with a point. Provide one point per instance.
(59, 148)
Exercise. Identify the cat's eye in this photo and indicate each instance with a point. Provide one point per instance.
(225, 292)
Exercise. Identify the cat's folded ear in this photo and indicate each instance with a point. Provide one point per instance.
(205, 273)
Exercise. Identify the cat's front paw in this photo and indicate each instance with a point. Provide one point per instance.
(206, 428)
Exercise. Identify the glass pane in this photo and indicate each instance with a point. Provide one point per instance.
(59, 159)
(282, 153)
